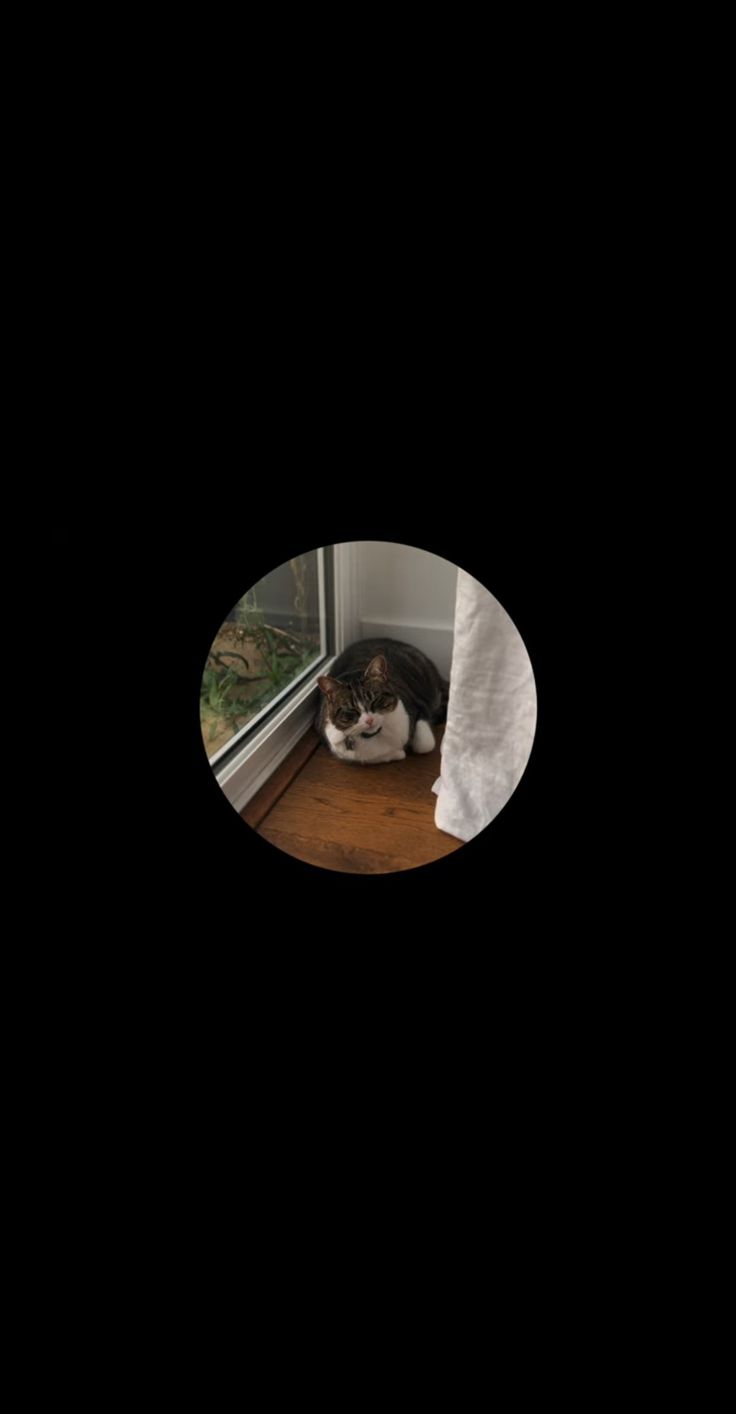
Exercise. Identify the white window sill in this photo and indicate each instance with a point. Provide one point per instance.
(242, 774)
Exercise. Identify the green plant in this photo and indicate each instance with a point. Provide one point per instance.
(248, 614)
(282, 655)
(299, 571)
(215, 684)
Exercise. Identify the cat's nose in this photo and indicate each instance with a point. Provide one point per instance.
(369, 720)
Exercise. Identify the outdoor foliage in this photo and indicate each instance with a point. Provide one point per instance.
(238, 682)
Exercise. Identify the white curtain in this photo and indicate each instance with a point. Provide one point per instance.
(491, 714)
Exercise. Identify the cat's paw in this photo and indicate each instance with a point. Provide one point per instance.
(396, 756)
(423, 739)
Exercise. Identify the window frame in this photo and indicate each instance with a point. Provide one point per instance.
(241, 768)
(284, 693)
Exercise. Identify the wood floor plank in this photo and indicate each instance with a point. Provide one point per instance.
(264, 800)
(360, 819)
(338, 854)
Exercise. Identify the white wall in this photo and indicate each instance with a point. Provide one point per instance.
(409, 594)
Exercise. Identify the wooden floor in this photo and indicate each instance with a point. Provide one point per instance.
(356, 819)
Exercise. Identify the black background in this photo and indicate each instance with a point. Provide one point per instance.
(500, 535)
(149, 843)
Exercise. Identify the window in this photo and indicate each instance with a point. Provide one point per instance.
(259, 689)
(269, 641)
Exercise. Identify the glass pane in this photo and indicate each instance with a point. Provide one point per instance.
(270, 638)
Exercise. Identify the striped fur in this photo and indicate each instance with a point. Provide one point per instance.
(379, 699)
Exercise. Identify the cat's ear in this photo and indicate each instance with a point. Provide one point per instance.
(328, 685)
(377, 668)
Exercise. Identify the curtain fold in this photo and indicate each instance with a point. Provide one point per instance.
(491, 714)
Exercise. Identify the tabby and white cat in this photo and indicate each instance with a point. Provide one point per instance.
(379, 699)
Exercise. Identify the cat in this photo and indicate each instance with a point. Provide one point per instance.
(378, 699)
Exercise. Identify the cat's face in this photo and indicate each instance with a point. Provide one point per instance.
(360, 705)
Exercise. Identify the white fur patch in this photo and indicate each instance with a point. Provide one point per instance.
(387, 745)
(423, 739)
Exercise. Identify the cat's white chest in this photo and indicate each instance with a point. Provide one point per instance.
(385, 746)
